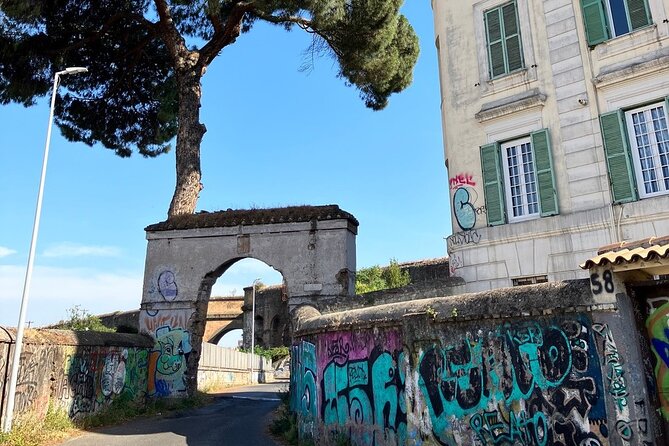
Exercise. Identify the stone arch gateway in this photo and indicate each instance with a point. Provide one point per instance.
(313, 247)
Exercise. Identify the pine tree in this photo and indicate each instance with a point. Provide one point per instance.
(143, 87)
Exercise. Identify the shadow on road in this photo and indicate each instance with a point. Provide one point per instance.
(237, 417)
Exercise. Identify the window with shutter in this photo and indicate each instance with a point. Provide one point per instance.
(605, 19)
(617, 157)
(505, 52)
(492, 184)
(518, 177)
(649, 141)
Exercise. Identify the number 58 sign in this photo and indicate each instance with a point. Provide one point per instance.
(602, 282)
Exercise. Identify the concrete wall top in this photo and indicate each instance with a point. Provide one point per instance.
(253, 217)
(501, 303)
(78, 338)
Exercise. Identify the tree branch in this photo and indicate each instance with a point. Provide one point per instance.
(305, 24)
(224, 35)
(173, 39)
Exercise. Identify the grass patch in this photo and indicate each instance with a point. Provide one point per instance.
(30, 430)
(284, 425)
(125, 409)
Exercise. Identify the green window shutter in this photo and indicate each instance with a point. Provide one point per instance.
(493, 185)
(594, 18)
(543, 161)
(618, 159)
(514, 53)
(495, 40)
(639, 13)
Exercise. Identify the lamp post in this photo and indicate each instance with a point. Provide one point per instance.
(253, 325)
(18, 346)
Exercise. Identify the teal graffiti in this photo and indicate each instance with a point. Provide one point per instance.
(493, 428)
(468, 378)
(303, 379)
(368, 393)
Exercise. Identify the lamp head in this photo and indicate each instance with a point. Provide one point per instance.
(73, 70)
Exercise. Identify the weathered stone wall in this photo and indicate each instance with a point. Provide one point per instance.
(81, 372)
(548, 364)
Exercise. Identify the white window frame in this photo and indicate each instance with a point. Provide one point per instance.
(508, 196)
(654, 146)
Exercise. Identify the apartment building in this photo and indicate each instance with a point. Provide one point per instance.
(555, 119)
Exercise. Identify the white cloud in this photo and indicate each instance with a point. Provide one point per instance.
(54, 290)
(4, 252)
(76, 250)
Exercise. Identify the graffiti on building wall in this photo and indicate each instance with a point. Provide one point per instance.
(466, 206)
(362, 386)
(463, 238)
(525, 383)
(455, 262)
(168, 362)
(303, 379)
(657, 326)
(615, 380)
(460, 180)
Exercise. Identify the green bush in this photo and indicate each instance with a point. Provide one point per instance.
(376, 278)
(79, 319)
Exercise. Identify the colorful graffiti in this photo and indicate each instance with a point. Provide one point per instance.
(362, 386)
(465, 199)
(657, 326)
(304, 399)
(168, 362)
(93, 377)
(524, 383)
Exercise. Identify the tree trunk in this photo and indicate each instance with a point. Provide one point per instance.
(189, 138)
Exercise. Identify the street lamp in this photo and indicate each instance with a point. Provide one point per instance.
(18, 345)
(253, 325)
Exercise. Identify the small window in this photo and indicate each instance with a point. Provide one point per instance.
(505, 53)
(531, 280)
(522, 200)
(605, 19)
(649, 138)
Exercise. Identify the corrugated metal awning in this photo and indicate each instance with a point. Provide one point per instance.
(649, 254)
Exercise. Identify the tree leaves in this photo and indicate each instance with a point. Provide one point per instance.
(128, 98)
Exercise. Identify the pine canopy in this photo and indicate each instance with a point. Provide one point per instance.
(143, 64)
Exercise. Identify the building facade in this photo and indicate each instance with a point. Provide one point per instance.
(555, 117)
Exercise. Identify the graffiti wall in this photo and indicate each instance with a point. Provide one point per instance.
(170, 328)
(562, 380)
(657, 325)
(352, 383)
(82, 379)
(168, 360)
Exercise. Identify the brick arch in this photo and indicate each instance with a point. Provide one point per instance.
(313, 247)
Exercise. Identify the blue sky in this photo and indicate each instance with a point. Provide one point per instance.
(275, 137)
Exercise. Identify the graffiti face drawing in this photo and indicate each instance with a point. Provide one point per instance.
(167, 285)
(171, 356)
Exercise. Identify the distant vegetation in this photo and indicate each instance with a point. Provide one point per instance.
(273, 354)
(79, 319)
(377, 278)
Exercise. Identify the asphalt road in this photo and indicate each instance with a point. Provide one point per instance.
(238, 417)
